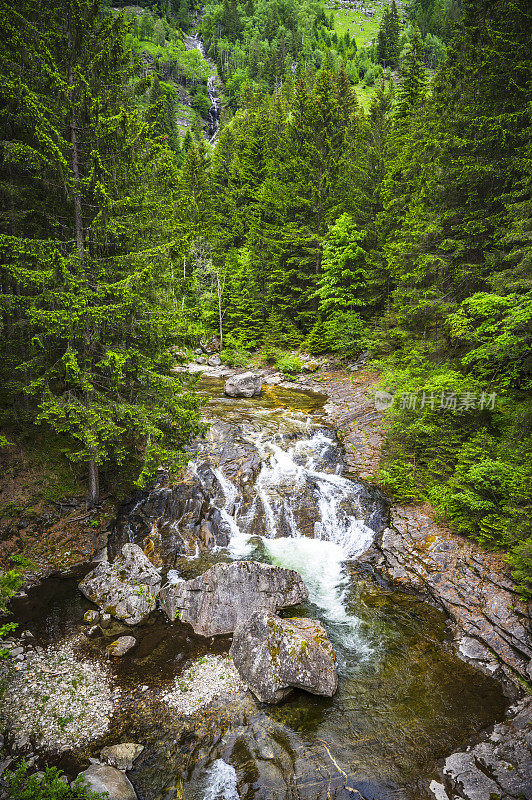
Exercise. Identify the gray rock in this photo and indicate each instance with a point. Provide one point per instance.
(200, 359)
(227, 594)
(474, 587)
(127, 588)
(214, 361)
(247, 384)
(121, 646)
(91, 617)
(467, 781)
(438, 791)
(103, 778)
(122, 755)
(272, 655)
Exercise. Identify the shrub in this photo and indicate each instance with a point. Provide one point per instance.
(51, 786)
(520, 560)
(201, 104)
(235, 358)
(290, 364)
(270, 355)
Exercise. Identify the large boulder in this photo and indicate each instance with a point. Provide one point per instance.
(102, 778)
(127, 588)
(121, 755)
(227, 594)
(272, 655)
(247, 384)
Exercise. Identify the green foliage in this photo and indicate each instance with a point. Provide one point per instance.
(342, 333)
(289, 364)
(235, 357)
(521, 563)
(24, 786)
(87, 246)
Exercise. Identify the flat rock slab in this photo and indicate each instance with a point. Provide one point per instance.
(227, 594)
(247, 384)
(497, 768)
(103, 778)
(489, 620)
(274, 655)
(127, 588)
(121, 646)
(122, 755)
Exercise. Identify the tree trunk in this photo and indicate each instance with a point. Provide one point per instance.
(220, 311)
(78, 218)
(93, 496)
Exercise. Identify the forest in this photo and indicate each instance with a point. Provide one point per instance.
(402, 230)
(367, 191)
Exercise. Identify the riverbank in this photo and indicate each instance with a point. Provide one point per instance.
(350, 409)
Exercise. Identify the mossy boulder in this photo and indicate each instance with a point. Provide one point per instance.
(274, 655)
(127, 589)
(227, 594)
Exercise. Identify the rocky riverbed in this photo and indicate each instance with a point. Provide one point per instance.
(271, 484)
(55, 699)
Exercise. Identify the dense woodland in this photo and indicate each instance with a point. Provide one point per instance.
(403, 230)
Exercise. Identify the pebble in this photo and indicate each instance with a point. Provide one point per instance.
(207, 678)
(57, 698)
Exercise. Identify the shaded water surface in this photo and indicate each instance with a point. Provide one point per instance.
(277, 491)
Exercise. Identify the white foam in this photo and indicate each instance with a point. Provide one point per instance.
(321, 565)
(221, 782)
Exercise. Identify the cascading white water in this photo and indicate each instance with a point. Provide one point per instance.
(221, 782)
(292, 470)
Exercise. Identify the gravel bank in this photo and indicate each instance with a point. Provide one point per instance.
(55, 700)
(206, 679)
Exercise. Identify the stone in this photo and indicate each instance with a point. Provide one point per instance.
(200, 359)
(227, 594)
(214, 361)
(121, 646)
(467, 781)
(105, 620)
(127, 588)
(247, 384)
(274, 655)
(212, 346)
(122, 755)
(103, 778)
(91, 617)
(438, 791)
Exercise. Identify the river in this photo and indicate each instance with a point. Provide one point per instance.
(270, 484)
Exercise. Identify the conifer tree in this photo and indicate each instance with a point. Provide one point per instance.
(84, 260)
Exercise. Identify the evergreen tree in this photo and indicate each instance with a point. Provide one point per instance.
(83, 252)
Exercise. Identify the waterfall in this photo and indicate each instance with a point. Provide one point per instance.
(298, 487)
(213, 116)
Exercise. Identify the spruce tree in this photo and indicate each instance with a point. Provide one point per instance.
(86, 248)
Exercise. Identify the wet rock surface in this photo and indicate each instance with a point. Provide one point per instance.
(497, 768)
(127, 588)
(246, 384)
(490, 622)
(274, 655)
(227, 594)
(121, 646)
(121, 756)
